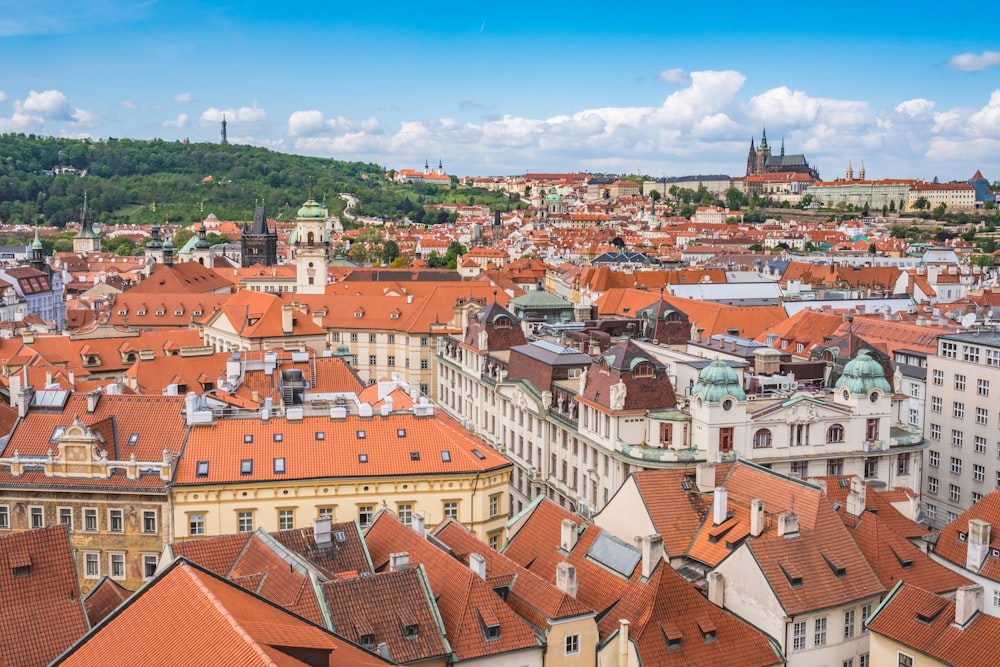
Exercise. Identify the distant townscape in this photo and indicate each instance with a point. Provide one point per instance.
(557, 419)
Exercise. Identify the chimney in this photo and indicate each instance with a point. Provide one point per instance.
(92, 398)
(566, 579)
(977, 544)
(716, 588)
(477, 563)
(756, 517)
(15, 389)
(704, 477)
(286, 319)
(788, 525)
(720, 506)
(321, 531)
(968, 603)
(567, 539)
(651, 547)
(623, 651)
(856, 497)
(399, 561)
(418, 523)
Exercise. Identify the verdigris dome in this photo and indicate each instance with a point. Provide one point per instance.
(717, 380)
(862, 374)
(312, 210)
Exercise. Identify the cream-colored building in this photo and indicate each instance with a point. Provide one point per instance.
(346, 462)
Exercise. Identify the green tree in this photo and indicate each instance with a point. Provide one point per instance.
(939, 210)
(735, 199)
(983, 260)
(921, 203)
(892, 206)
(655, 196)
(390, 252)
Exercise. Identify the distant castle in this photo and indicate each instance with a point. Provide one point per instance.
(760, 160)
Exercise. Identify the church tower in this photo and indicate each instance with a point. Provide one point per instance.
(757, 159)
(87, 240)
(259, 243)
(38, 256)
(311, 244)
(202, 251)
(849, 174)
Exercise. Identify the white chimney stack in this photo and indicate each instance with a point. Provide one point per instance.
(477, 563)
(322, 526)
(977, 544)
(788, 525)
(419, 523)
(756, 517)
(566, 579)
(968, 603)
(716, 588)
(399, 561)
(623, 644)
(651, 547)
(720, 506)
(286, 319)
(704, 477)
(856, 498)
(568, 535)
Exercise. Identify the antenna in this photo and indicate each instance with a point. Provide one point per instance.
(968, 320)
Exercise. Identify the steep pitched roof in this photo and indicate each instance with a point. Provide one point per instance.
(952, 544)
(43, 611)
(190, 277)
(219, 623)
(103, 599)
(468, 604)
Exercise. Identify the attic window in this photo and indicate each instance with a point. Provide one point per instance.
(792, 574)
(278, 437)
(196, 313)
(279, 466)
(368, 641)
(360, 435)
(411, 631)
(178, 313)
(502, 322)
(489, 624)
(478, 454)
(414, 456)
(246, 467)
(904, 562)
(160, 313)
(320, 435)
(445, 456)
(359, 313)
(672, 635)
(248, 438)
(400, 432)
(362, 458)
(140, 312)
(931, 611)
(132, 439)
(644, 370)
(123, 312)
(202, 469)
(394, 315)
(708, 629)
(837, 567)
(961, 537)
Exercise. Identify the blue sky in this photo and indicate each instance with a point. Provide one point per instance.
(512, 87)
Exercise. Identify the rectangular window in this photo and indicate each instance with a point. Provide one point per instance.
(819, 632)
(365, 515)
(423, 341)
(982, 416)
(957, 438)
(90, 520)
(849, 624)
(354, 338)
(932, 485)
(871, 467)
(405, 513)
(936, 404)
(117, 565)
(451, 509)
(960, 382)
(970, 353)
(931, 510)
(196, 524)
(246, 466)
(835, 467)
(423, 364)
(904, 660)
(66, 517)
(572, 644)
(116, 523)
(976, 497)
(871, 429)
(279, 466)
(933, 458)
(391, 338)
(37, 517)
(244, 522)
(978, 472)
(954, 492)
(372, 360)
(949, 350)
(958, 410)
(494, 504)
(937, 377)
(800, 469)
(4, 517)
(956, 465)
(935, 431)
(983, 387)
(286, 519)
(149, 521)
(863, 660)
(798, 635)
(980, 444)
(993, 357)
(371, 338)
(91, 565)
(903, 464)
(149, 562)
(391, 360)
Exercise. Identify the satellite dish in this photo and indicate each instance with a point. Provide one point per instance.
(968, 320)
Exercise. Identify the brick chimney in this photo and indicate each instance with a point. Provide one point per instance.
(756, 517)
(651, 547)
(977, 544)
(566, 579)
(968, 603)
(568, 535)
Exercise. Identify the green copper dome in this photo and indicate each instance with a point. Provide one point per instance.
(312, 210)
(862, 374)
(717, 380)
(342, 350)
(37, 245)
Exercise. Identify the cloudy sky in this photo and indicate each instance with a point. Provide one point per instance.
(509, 87)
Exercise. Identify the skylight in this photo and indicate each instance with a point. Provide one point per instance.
(478, 454)
(362, 458)
(320, 435)
(361, 435)
(202, 469)
(132, 439)
(446, 456)
(248, 438)
(414, 456)
(400, 432)
(246, 467)
(279, 466)
(278, 437)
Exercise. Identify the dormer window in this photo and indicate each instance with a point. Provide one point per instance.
(411, 631)
(178, 313)
(644, 370)
(394, 315)
(359, 313)
(160, 313)
(502, 322)
(196, 313)
(123, 312)
(368, 641)
(140, 313)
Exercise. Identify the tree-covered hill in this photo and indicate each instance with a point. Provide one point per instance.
(140, 182)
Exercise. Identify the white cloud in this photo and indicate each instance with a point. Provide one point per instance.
(46, 104)
(128, 104)
(183, 98)
(244, 115)
(975, 62)
(20, 122)
(84, 118)
(3, 96)
(181, 121)
(674, 76)
(306, 123)
(986, 121)
(915, 107)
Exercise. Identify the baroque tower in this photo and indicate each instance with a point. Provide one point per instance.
(311, 244)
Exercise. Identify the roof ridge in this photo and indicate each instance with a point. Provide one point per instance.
(227, 615)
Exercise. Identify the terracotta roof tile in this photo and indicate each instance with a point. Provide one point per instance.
(952, 543)
(103, 599)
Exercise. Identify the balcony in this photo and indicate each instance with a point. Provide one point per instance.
(644, 453)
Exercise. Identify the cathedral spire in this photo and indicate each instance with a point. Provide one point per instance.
(782, 147)
(763, 139)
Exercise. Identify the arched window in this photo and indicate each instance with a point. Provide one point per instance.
(502, 322)
(835, 433)
(643, 370)
(762, 439)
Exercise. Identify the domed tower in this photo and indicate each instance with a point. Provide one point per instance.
(38, 256)
(311, 244)
(718, 410)
(863, 387)
(202, 250)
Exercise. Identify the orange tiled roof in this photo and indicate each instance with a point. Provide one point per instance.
(103, 599)
(953, 547)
